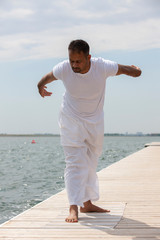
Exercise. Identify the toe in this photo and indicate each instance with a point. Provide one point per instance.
(107, 210)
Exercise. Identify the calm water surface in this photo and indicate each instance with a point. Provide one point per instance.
(30, 173)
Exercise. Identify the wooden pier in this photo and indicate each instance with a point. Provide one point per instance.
(130, 188)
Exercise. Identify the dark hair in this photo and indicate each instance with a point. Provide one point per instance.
(79, 46)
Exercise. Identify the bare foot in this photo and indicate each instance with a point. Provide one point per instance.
(89, 207)
(73, 214)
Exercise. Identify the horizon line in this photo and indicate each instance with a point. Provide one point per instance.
(56, 134)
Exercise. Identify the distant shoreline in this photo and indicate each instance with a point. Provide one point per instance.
(105, 134)
(29, 135)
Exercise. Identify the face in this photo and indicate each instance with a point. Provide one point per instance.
(80, 63)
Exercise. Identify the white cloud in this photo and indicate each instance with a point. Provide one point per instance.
(44, 30)
(18, 13)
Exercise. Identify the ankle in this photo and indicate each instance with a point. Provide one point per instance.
(73, 207)
(88, 203)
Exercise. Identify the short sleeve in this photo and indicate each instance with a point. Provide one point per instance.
(110, 68)
(58, 70)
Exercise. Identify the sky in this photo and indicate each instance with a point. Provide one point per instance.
(34, 36)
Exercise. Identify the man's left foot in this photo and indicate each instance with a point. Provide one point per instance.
(89, 207)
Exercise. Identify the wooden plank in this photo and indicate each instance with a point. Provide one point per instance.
(74, 232)
(84, 238)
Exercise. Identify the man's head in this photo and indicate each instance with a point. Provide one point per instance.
(79, 56)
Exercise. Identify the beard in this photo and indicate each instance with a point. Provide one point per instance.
(76, 70)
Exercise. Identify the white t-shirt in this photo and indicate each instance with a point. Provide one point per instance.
(84, 95)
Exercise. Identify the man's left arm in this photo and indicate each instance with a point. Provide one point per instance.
(132, 70)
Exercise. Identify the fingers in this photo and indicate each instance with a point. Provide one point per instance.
(137, 71)
(46, 93)
(43, 92)
(135, 67)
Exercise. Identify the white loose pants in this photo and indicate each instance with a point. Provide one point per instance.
(82, 143)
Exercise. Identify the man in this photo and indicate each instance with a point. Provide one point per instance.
(81, 121)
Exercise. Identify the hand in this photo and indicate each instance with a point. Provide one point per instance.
(43, 92)
(138, 71)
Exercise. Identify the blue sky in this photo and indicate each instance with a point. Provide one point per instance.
(34, 36)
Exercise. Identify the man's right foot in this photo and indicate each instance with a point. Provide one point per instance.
(73, 214)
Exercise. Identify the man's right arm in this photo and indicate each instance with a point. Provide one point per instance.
(48, 78)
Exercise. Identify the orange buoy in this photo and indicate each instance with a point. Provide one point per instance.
(33, 141)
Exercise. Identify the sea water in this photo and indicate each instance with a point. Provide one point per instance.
(30, 173)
